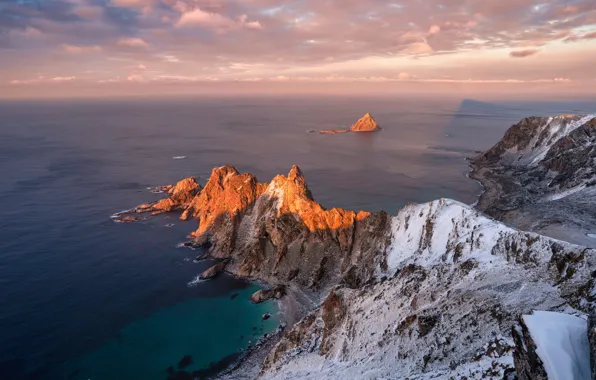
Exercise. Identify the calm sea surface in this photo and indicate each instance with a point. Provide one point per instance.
(84, 298)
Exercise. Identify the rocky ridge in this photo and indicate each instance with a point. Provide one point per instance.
(433, 292)
(540, 177)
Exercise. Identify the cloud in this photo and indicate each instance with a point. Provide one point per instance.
(170, 59)
(356, 40)
(136, 78)
(575, 37)
(435, 29)
(417, 48)
(523, 53)
(63, 79)
(215, 21)
(132, 3)
(40, 79)
(133, 42)
(73, 49)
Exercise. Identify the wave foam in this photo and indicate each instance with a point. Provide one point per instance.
(195, 281)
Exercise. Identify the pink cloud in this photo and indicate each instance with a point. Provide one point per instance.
(74, 49)
(215, 21)
(40, 79)
(523, 53)
(133, 42)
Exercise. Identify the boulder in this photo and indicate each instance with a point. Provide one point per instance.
(267, 294)
(212, 271)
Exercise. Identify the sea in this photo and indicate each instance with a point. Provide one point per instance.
(83, 297)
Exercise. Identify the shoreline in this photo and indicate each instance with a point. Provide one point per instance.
(246, 365)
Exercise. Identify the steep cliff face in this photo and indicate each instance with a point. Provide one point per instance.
(278, 233)
(541, 177)
(455, 285)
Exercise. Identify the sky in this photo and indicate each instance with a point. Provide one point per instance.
(70, 48)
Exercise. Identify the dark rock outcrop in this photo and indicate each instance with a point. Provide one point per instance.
(213, 271)
(263, 295)
(527, 362)
(592, 341)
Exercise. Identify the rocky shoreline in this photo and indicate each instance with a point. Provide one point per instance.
(433, 292)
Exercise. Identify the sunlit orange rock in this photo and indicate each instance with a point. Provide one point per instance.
(366, 124)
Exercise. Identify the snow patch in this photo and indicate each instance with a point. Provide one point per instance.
(562, 344)
(441, 231)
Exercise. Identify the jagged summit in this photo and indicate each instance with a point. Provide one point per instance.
(365, 124)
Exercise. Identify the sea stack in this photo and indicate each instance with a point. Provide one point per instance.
(366, 124)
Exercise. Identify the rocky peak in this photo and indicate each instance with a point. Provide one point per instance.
(226, 194)
(366, 124)
(296, 175)
(185, 190)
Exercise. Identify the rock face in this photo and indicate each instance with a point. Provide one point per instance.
(541, 176)
(592, 341)
(366, 124)
(278, 233)
(528, 365)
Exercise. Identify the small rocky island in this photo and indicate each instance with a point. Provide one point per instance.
(365, 124)
(441, 290)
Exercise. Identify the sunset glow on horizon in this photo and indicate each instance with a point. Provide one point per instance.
(62, 48)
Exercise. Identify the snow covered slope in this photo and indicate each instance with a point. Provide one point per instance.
(457, 281)
(562, 344)
(540, 177)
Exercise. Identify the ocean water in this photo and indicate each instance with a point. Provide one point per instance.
(82, 297)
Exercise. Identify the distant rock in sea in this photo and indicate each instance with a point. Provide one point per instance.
(366, 124)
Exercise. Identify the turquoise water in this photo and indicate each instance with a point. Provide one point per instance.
(146, 348)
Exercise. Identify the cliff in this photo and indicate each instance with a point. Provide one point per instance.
(278, 233)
